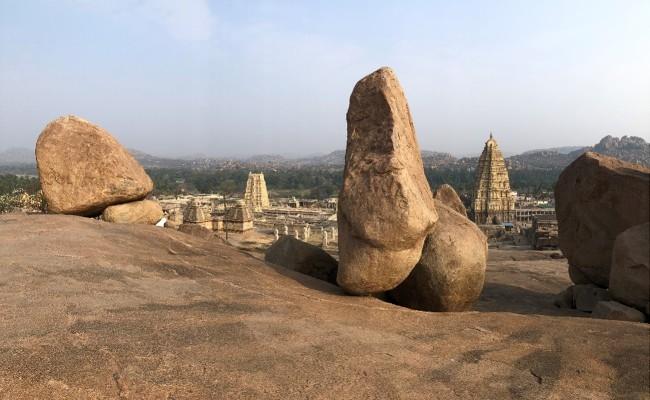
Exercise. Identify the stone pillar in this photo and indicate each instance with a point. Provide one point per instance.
(305, 233)
(296, 234)
(276, 234)
(325, 239)
(333, 233)
(286, 230)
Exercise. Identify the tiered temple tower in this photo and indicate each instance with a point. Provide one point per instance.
(256, 197)
(492, 201)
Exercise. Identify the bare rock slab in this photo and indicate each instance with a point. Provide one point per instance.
(386, 207)
(83, 169)
(146, 212)
(617, 311)
(598, 197)
(451, 272)
(586, 296)
(93, 310)
(302, 257)
(629, 279)
(448, 196)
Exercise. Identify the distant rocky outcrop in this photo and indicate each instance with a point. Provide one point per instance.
(385, 205)
(597, 198)
(450, 274)
(628, 148)
(302, 257)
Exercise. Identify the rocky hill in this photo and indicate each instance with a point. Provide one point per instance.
(628, 148)
(98, 310)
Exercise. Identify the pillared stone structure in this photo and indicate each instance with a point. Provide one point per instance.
(492, 201)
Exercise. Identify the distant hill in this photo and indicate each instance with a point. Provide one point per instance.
(629, 148)
(17, 156)
(560, 150)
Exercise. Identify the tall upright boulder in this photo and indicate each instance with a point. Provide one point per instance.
(83, 169)
(596, 198)
(385, 205)
(448, 196)
(451, 272)
(629, 279)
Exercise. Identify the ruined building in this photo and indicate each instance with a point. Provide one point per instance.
(256, 196)
(492, 201)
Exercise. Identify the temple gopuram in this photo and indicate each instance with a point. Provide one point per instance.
(256, 196)
(492, 200)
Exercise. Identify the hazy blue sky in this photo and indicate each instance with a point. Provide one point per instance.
(245, 76)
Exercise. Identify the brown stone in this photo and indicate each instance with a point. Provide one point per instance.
(302, 257)
(147, 212)
(106, 311)
(385, 206)
(448, 196)
(629, 279)
(596, 198)
(564, 299)
(451, 271)
(83, 169)
(586, 296)
(617, 311)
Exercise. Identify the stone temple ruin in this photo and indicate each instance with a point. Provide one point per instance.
(238, 218)
(256, 196)
(492, 201)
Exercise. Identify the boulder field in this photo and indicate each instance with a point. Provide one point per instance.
(98, 310)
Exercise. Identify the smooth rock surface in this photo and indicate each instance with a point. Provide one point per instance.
(585, 296)
(617, 311)
(146, 212)
(83, 169)
(451, 271)
(448, 196)
(385, 205)
(197, 230)
(99, 310)
(302, 257)
(629, 279)
(596, 198)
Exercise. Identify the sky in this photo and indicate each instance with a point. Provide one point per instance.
(226, 78)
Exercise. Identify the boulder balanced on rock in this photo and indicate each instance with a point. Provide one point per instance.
(596, 198)
(83, 169)
(385, 205)
(451, 271)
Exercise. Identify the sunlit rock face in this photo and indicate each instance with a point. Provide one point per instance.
(385, 206)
